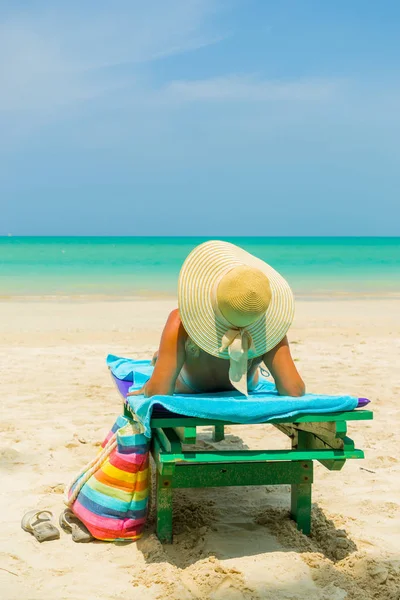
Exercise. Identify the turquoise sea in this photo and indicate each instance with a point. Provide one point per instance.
(122, 266)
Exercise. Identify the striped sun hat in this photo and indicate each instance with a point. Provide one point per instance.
(233, 305)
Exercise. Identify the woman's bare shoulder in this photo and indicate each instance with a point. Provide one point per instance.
(174, 320)
(173, 326)
(174, 316)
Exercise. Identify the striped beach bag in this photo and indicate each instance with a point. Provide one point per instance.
(110, 494)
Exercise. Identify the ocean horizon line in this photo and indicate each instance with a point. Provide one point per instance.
(217, 236)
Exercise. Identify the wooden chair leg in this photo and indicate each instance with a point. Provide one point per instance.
(219, 433)
(301, 506)
(164, 508)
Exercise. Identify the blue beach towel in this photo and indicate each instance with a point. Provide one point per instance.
(263, 404)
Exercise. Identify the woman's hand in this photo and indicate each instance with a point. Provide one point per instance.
(138, 392)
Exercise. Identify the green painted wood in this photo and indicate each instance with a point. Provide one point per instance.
(158, 450)
(169, 439)
(258, 455)
(337, 465)
(187, 435)
(237, 474)
(314, 437)
(127, 412)
(300, 506)
(341, 429)
(219, 433)
(311, 441)
(300, 495)
(164, 508)
(348, 443)
(356, 415)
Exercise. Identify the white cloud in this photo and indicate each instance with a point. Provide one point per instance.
(69, 53)
(58, 56)
(249, 89)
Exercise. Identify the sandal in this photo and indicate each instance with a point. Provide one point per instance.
(38, 523)
(71, 524)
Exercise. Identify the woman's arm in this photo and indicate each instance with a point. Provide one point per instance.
(280, 364)
(170, 359)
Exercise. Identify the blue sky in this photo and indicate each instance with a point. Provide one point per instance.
(199, 117)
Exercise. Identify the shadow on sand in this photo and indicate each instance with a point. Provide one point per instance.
(215, 525)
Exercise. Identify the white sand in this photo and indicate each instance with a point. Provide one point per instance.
(58, 403)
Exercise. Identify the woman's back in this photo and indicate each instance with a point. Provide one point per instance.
(202, 372)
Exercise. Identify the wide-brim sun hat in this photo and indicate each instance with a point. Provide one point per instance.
(233, 305)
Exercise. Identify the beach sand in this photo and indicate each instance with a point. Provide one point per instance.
(58, 402)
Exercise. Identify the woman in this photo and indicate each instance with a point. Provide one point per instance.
(234, 313)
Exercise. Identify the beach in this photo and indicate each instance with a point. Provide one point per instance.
(58, 403)
(237, 156)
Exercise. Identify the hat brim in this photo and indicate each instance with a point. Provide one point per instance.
(199, 276)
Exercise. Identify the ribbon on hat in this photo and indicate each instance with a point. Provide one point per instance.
(238, 342)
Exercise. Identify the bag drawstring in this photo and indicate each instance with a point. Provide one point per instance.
(265, 372)
(88, 470)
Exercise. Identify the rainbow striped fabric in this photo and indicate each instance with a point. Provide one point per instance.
(113, 502)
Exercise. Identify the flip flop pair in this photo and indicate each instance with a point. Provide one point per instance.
(38, 523)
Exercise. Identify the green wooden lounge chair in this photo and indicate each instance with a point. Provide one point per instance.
(319, 437)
